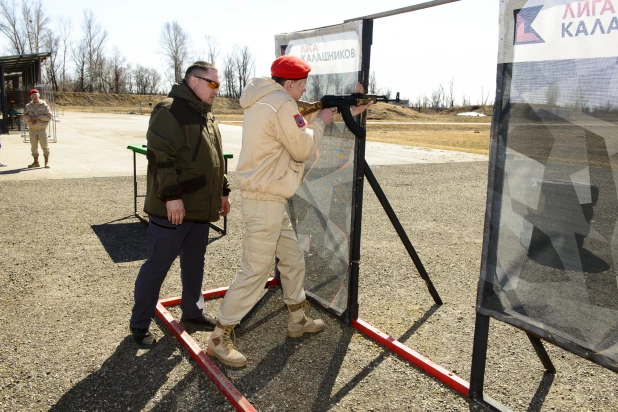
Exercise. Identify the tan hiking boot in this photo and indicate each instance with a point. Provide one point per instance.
(221, 346)
(46, 161)
(35, 163)
(299, 323)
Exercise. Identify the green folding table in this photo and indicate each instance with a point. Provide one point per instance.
(141, 149)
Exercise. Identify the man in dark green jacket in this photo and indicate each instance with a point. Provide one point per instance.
(186, 189)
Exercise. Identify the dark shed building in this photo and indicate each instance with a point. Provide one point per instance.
(18, 74)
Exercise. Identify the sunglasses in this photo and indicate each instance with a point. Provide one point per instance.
(211, 83)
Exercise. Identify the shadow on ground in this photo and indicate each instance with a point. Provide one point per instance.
(127, 380)
(123, 241)
(127, 241)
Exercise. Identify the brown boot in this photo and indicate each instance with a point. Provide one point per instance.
(35, 163)
(299, 323)
(46, 161)
(222, 347)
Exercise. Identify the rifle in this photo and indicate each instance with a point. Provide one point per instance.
(354, 99)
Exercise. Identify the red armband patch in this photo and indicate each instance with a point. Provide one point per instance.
(300, 120)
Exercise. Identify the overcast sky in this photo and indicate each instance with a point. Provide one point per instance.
(412, 53)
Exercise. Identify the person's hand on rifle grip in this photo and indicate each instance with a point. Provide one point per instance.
(356, 110)
(327, 115)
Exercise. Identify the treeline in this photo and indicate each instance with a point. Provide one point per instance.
(441, 98)
(83, 61)
(86, 63)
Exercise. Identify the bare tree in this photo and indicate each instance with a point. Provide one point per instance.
(387, 92)
(328, 81)
(436, 97)
(117, 68)
(315, 88)
(244, 66)
(451, 94)
(418, 103)
(79, 53)
(147, 80)
(35, 22)
(229, 84)
(12, 28)
(465, 100)
(484, 97)
(175, 43)
(213, 49)
(155, 81)
(552, 94)
(129, 81)
(64, 34)
(142, 79)
(372, 87)
(94, 38)
(337, 83)
(426, 101)
(51, 42)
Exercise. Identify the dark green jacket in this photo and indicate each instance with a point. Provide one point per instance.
(185, 157)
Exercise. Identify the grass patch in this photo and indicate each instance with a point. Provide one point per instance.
(471, 138)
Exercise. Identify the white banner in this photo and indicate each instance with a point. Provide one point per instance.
(329, 54)
(545, 30)
(331, 50)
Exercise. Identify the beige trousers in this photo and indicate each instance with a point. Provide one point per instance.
(37, 136)
(268, 233)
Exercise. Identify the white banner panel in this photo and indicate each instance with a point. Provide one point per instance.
(329, 54)
(329, 50)
(543, 30)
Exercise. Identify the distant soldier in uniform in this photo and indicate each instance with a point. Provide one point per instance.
(37, 116)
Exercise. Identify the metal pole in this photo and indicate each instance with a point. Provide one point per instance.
(357, 207)
(479, 356)
(402, 234)
(134, 184)
(225, 217)
(39, 78)
(4, 125)
(403, 10)
(541, 353)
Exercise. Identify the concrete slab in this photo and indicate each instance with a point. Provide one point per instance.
(394, 154)
(95, 145)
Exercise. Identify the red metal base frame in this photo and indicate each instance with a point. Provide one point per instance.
(240, 402)
(216, 376)
(433, 369)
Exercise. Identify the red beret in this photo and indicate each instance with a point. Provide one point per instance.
(290, 67)
(32, 91)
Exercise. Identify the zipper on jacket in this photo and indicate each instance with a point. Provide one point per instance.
(199, 141)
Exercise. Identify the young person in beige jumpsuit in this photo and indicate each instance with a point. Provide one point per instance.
(276, 142)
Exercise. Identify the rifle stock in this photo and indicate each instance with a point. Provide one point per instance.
(306, 108)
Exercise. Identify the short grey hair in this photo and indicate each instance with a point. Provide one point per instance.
(199, 66)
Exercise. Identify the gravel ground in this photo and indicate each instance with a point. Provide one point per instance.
(70, 251)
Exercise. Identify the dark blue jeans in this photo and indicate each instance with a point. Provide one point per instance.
(166, 242)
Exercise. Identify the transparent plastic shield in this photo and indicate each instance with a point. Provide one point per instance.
(551, 234)
(321, 209)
